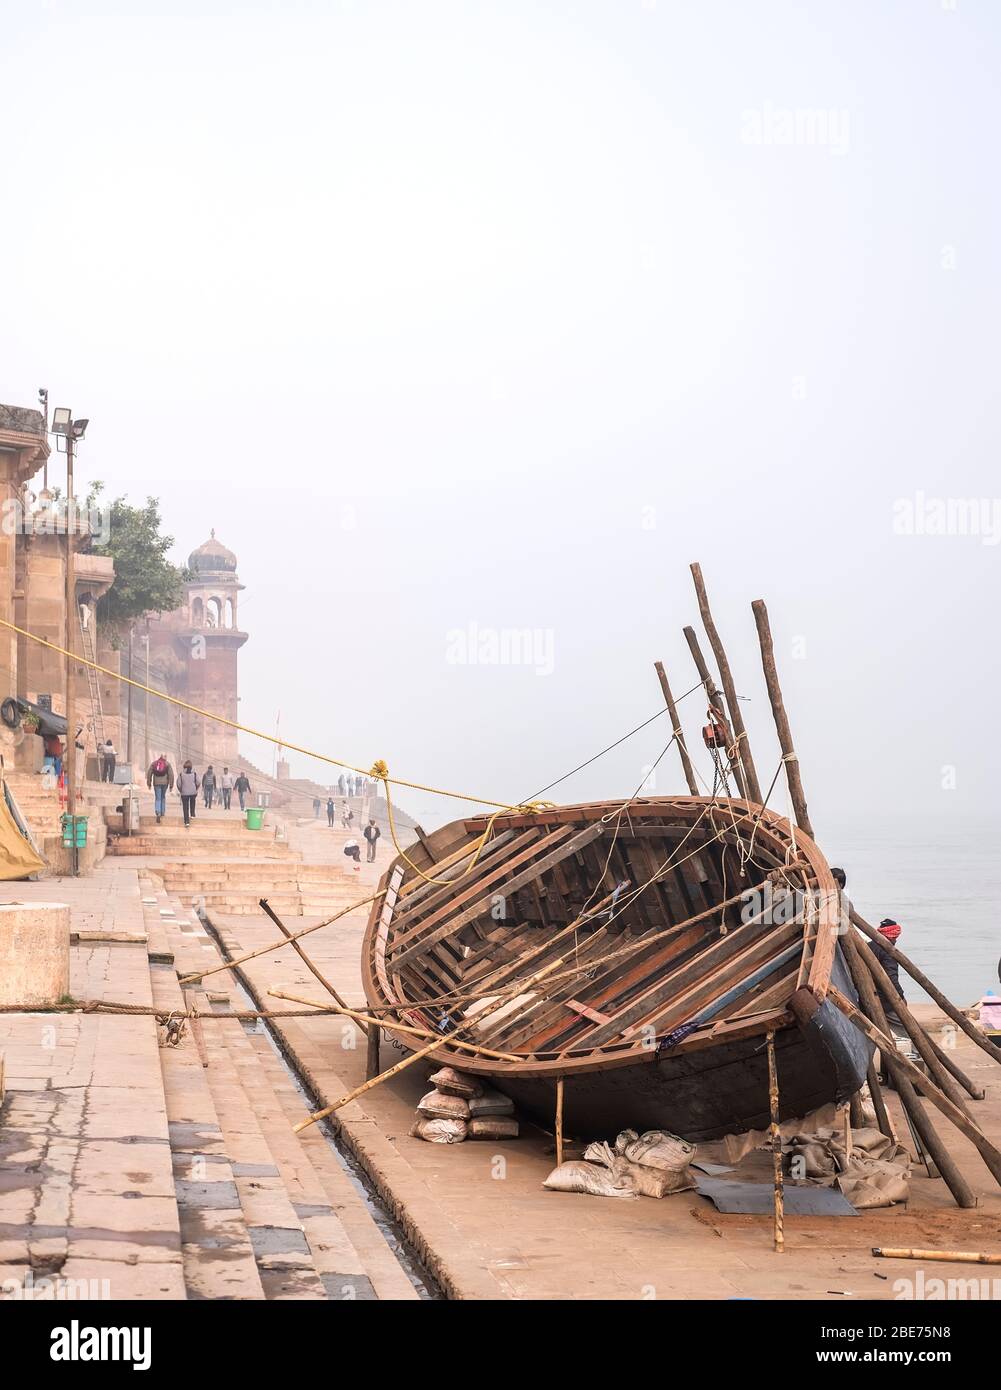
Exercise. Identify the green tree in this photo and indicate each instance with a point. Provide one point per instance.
(145, 580)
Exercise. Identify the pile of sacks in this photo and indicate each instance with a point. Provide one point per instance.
(876, 1175)
(648, 1165)
(459, 1108)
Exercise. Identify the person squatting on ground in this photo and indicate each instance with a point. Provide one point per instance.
(353, 851)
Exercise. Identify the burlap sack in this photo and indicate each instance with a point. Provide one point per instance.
(436, 1106)
(455, 1083)
(439, 1131)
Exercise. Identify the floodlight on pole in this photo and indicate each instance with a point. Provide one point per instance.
(62, 420)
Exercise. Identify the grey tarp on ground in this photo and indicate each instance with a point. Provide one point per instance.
(757, 1198)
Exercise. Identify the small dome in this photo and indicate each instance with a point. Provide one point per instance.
(212, 557)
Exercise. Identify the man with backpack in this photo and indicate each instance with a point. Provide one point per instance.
(160, 776)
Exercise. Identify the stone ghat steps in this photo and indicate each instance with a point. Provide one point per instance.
(209, 824)
(183, 842)
(272, 1214)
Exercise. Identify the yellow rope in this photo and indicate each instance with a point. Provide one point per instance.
(379, 769)
(268, 738)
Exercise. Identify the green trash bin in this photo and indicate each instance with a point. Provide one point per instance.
(74, 831)
(255, 817)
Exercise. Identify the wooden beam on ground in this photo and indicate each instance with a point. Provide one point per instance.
(729, 689)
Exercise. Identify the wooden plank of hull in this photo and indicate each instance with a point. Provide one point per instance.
(443, 899)
(537, 867)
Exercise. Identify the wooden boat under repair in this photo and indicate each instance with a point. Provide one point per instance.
(643, 954)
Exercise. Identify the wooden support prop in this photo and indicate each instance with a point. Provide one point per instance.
(928, 1145)
(372, 1062)
(919, 977)
(930, 1055)
(716, 700)
(856, 1117)
(959, 1257)
(676, 729)
(879, 1104)
(983, 1146)
(776, 1133)
(782, 728)
(290, 938)
(277, 945)
(729, 689)
(367, 1086)
(401, 1027)
(559, 1121)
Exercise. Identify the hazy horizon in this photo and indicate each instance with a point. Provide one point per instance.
(462, 321)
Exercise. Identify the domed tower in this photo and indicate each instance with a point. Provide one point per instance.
(208, 643)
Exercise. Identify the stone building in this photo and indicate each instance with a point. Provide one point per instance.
(33, 529)
(193, 656)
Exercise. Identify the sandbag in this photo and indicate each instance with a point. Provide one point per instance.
(657, 1148)
(589, 1178)
(493, 1127)
(652, 1182)
(440, 1131)
(455, 1083)
(491, 1102)
(436, 1106)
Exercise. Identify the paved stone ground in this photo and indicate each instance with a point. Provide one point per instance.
(134, 1170)
(488, 1229)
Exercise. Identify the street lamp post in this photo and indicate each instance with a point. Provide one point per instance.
(146, 708)
(71, 430)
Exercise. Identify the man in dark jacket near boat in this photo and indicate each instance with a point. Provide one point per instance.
(890, 930)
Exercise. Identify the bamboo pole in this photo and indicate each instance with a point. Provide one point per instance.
(367, 1086)
(716, 702)
(959, 1257)
(401, 1027)
(983, 1146)
(920, 978)
(729, 689)
(372, 1052)
(289, 937)
(776, 1135)
(917, 1035)
(676, 729)
(559, 1121)
(277, 945)
(789, 755)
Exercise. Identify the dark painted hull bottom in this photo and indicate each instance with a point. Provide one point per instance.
(706, 1094)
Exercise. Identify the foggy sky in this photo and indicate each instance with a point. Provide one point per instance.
(499, 314)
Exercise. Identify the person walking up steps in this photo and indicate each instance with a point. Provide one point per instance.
(371, 833)
(160, 776)
(208, 786)
(187, 786)
(330, 810)
(242, 788)
(226, 788)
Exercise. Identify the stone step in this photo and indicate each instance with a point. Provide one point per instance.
(181, 843)
(217, 1254)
